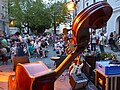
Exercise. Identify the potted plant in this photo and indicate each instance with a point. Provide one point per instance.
(106, 56)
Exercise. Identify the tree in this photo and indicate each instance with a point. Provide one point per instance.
(36, 15)
(39, 17)
(59, 13)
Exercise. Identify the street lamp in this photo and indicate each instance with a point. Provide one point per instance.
(71, 6)
(12, 23)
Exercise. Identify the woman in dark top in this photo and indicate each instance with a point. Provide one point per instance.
(111, 41)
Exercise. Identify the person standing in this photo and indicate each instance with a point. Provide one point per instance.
(93, 42)
(111, 41)
(20, 39)
(102, 42)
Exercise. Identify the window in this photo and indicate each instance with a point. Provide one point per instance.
(87, 4)
(94, 1)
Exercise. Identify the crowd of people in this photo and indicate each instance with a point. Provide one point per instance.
(113, 41)
(37, 46)
(30, 45)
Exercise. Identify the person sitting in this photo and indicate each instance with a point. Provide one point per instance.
(20, 50)
(13, 51)
(30, 48)
(3, 54)
(37, 48)
(4, 43)
(59, 49)
(43, 48)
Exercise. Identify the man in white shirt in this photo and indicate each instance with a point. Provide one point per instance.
(93, 42)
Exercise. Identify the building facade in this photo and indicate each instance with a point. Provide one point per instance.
(113, 23)
(4, 24)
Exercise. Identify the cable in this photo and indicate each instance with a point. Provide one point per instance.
(63, 76)
(89, 86)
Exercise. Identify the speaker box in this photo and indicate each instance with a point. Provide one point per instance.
(78, 81)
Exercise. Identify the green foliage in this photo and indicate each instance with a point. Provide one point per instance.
(59, 11)
(36, 15)
(106, 56)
